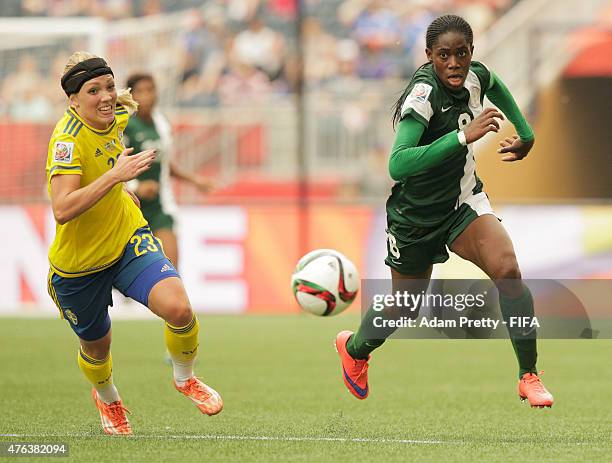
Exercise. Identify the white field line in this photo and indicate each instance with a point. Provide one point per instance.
(221, 437)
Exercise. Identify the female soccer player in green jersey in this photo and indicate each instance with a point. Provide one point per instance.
(438, 201)
(103, 241)
(147, 129)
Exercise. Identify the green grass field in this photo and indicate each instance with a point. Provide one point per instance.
(430, 400)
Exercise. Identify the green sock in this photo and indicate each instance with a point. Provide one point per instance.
(525, 348)
(364, 340)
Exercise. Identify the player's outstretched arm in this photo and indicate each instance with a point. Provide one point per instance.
(518, 146)
(147, 189)
(68, 200)
(203, 184)
(409, 159)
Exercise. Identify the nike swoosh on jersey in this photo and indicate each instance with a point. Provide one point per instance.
(446, 109)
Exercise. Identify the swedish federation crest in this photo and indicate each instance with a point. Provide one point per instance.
(110, 146)
(70, 315)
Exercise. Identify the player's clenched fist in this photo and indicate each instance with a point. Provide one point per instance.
(130, 166)
(486, 122)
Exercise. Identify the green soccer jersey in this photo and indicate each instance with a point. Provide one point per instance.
(426, 198)
(155, 134)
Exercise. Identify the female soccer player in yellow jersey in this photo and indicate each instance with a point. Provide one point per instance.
(438, 200)
(102, 240)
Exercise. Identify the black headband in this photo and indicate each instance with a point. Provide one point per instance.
(86, 70)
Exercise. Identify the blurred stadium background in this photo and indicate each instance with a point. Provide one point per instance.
(288, 105)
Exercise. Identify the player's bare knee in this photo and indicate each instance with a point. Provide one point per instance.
(185, 315)
(179, 313)
(98, 350)
(507, 268)
(507, 276)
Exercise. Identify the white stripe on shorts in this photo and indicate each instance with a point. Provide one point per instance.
(480, 203)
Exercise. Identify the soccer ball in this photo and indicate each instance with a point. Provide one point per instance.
(325, 282)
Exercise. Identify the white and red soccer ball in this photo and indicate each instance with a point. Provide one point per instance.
(325, 282)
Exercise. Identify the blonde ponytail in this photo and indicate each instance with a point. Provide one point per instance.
(124, 96)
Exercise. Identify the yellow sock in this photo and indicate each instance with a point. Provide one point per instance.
(182, 345)
(100, 374)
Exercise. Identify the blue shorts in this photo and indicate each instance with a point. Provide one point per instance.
(84, 301)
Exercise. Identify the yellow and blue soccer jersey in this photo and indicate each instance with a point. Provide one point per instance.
(95, 239)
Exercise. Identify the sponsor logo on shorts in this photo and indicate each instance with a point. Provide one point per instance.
(165, 268)
(98, 152)
(69, 314)
(62, 151)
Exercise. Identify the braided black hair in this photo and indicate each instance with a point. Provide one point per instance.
(438, 26)
(445, 24)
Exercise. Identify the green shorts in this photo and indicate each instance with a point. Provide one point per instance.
(412, 250)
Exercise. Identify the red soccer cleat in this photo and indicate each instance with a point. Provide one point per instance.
(112, 416)
(530, 387)
(205, 397)
(354, 372)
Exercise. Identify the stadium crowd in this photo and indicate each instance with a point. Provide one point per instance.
(232, 51)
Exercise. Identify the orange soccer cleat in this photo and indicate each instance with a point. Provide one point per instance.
(354, 371)
(530, 387)
(205, 397)
(112, 416)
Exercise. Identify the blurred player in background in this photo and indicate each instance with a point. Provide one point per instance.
(438, 201)
(103, 241)
(149, 129)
